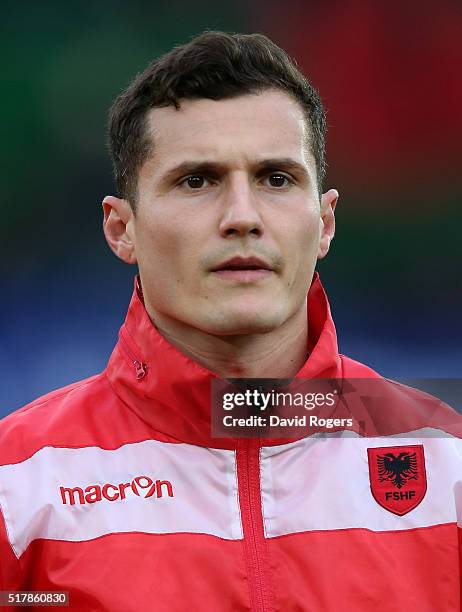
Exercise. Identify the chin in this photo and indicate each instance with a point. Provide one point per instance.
(244, 323)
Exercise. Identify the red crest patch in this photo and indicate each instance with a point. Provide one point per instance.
(398, 478)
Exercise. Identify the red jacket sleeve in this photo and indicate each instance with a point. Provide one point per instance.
(10, 577)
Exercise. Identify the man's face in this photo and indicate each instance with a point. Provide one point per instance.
(228, 221)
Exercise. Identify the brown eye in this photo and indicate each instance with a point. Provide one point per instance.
(195, 182)
(278, 180)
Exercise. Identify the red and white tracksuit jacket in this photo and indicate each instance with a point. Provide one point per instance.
(113, 490)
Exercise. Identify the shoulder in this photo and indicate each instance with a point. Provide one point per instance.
(395, 408)
(51, 418)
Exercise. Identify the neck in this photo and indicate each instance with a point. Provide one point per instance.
(279, 353)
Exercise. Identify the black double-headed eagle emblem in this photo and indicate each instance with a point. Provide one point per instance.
(397, 468)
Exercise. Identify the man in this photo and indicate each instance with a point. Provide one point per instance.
(115, 489)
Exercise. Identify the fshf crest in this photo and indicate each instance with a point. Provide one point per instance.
(397, 476)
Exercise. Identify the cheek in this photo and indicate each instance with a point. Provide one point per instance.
(301, 256)
(157, 241)
(302, 240)
(166, 251)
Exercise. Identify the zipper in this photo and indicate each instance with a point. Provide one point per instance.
(255, 553)
(140, 367)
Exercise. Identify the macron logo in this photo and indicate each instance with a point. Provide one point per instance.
(140, 486)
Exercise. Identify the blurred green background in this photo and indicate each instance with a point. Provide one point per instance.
(389, 76)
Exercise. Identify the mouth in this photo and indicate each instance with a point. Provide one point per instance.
(243, 269)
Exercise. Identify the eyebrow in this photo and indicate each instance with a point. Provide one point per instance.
(214, 168)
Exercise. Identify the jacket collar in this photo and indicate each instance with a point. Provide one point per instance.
(172, 393)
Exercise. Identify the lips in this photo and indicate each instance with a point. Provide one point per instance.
(243, 270)
(242, 263)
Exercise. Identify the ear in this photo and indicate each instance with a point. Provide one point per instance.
(118, 227)
(327, 221)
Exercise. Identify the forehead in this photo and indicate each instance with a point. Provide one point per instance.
(248, 127)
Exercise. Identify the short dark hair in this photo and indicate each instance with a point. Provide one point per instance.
(214, 65)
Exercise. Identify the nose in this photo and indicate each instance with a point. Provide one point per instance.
(240, 215)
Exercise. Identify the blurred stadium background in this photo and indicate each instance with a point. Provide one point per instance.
(389, 75)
